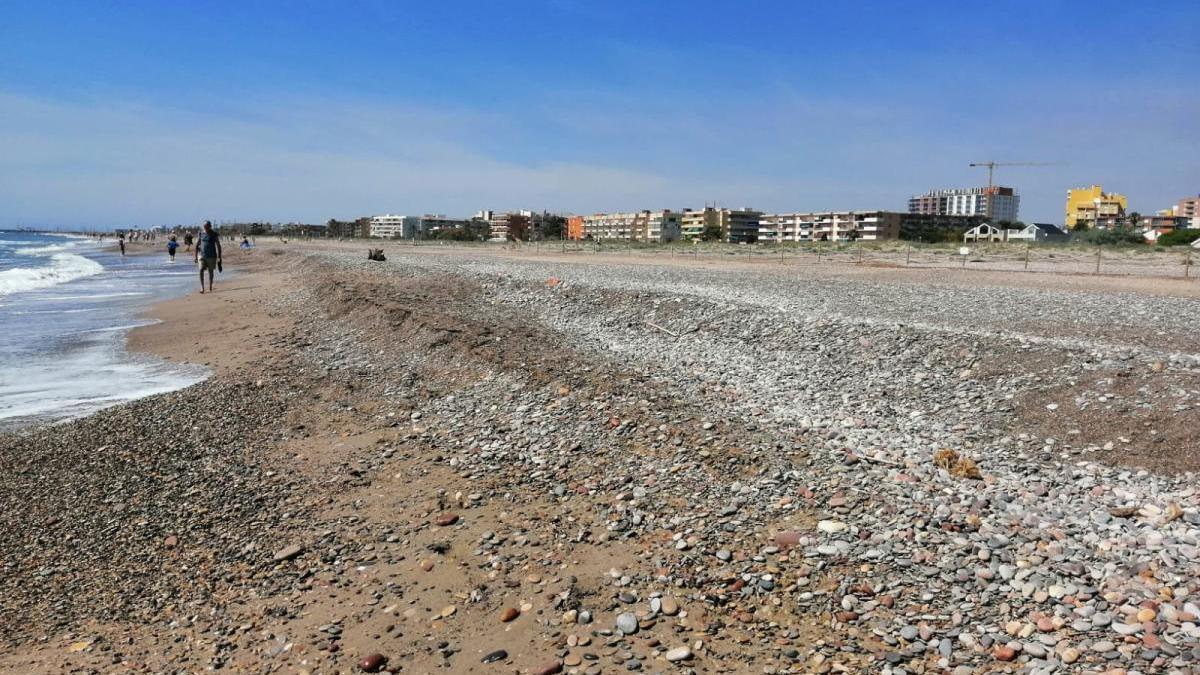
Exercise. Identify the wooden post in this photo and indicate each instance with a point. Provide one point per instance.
(1027, 247)
(1187, 263)
(907, 255)
(1098, 249)
(818, 253)
(860, 254)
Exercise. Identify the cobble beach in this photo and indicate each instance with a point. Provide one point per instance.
(484, 461)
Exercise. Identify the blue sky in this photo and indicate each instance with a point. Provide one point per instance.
(129, 113)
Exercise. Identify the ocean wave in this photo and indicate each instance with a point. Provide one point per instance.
(44, 250)
(63, 267)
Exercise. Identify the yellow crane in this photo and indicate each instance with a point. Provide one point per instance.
(991, 166)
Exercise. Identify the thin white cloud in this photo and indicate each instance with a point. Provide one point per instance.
(117, 160)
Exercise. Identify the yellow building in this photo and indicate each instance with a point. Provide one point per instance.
(1087, 205)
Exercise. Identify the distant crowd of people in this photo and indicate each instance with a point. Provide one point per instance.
(204, 243)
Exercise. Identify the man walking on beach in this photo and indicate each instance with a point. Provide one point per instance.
(208, 253)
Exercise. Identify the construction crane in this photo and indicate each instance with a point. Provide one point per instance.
(991, 167)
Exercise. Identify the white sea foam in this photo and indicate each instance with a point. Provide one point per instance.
(44, 250)
(63, 267)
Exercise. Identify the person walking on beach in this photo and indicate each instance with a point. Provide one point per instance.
(208, 253)
(171, 246)
(187, 241)
(121, 241)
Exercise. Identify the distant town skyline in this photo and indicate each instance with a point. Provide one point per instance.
(144, 113)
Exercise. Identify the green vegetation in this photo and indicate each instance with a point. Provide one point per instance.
(552, 226)
(712, 232)
(1116, 237)
(1178, 238)
(456, 234)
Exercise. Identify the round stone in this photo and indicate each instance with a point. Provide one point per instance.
(678, 654)
(372, 663)
(627, 623)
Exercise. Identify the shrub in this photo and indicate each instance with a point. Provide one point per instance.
(1117, 237)
(1178, 237)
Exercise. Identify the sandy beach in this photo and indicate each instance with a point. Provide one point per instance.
(480, 462)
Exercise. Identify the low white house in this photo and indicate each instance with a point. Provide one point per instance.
(985, 232)
(1036, 232)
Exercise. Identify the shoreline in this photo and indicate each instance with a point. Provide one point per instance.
(455, 451)
(92, 365)
(206, 329)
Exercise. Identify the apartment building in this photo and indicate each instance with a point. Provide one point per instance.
(645, 226)
(1165, 221)
(1092, 206)
(994, 203)
(1189, 207)
(387, 226)
(737, 225)
(498, 223)
(426, 225)
(575, 231)
(413, 227)
(830, 226)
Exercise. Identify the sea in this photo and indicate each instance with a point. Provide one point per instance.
(67, 304)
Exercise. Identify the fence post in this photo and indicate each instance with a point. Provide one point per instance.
(1187, 263)
(1027, 247)
(818, 253)
(1098, 249)
(907, 255)
(859, 254)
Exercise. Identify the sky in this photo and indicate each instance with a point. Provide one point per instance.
(120, 114)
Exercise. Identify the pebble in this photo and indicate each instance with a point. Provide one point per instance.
(372, 663)
(445, 519)
(492, 657)
(627, 623)
(831, 526)
(288, 552)
(678, 654)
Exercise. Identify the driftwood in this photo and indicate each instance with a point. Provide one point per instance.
(668, 332)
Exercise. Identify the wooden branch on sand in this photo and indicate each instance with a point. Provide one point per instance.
(668, 332)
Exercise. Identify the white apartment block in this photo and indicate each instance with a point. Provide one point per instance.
(829, 226)
(648, 226)
(387, 226)
(995, 203)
